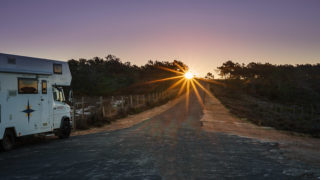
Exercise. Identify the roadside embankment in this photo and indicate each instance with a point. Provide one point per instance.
(217, 118)
(131, 120)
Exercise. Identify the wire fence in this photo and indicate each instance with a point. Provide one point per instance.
(89, 111)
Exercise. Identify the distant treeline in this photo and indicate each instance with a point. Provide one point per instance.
(110, 76)
(286, 97)
(282, 83)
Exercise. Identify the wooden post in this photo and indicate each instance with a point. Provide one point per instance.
(74, 116)
(82, 106)
(122, 102)
(103, 112)
(101, 101)
(131, 101)
(157, 96)
(143, 100)
(152, 97)
(110, 107)
(137, 100)
(102, 106)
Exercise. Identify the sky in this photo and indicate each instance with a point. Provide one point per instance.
(201, 33)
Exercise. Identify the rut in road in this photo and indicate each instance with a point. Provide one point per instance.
(171, 145)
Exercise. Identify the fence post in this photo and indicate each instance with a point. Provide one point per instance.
(82, 106)
(143, 100)
(74, 116)
(110, 106)
(102, 106)
(122, 103)
(137, 98)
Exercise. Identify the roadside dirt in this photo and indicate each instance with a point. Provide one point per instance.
(130, 120)
(217, 118)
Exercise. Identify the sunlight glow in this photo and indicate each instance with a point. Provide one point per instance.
(189, 83)
(188, 75)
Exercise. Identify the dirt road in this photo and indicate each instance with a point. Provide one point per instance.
(171, 145)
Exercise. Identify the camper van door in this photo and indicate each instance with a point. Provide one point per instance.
(58, 106)
(29, 105)
(45, 109)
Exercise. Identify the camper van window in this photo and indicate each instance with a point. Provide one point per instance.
(27, 86)
(58, 95)
(55, 94)
(44, 87)
(57, 68)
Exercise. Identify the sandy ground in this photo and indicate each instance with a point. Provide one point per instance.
(217, 118)
(130, 120)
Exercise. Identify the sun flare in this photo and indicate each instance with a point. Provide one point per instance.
(188, 82)
(188, 75)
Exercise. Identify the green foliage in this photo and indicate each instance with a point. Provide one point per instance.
(286, 97)
(282, 83)
(109, 76)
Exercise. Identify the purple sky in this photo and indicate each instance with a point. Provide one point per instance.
(202, 33)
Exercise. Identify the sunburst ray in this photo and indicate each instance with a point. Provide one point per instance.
(188, 82)
(203, 88)
(187, 95)
(170, 70)
(197, 93)
(210, 81)
(182, 87)
(175, 84)
(180, 67)
(164, 79)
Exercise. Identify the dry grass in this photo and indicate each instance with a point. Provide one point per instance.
(217, 118)
(131, 120)
(292, 118)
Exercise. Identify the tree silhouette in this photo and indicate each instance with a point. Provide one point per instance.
(110, 76)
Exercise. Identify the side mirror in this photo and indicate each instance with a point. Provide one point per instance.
(70, 96)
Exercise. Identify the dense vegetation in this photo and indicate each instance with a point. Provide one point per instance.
(283, 96)
(110, 76)
(282, 83)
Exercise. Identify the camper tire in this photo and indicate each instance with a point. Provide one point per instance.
(65, 129)
(8, 140)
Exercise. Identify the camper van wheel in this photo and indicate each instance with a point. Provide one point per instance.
(8, 140)
(65, 129)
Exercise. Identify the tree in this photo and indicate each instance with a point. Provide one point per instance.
(209, 76)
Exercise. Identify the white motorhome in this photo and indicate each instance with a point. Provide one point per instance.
(32, 100)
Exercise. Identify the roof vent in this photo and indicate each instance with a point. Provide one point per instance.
(11, 60)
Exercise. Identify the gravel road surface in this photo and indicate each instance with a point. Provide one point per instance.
(171, 145)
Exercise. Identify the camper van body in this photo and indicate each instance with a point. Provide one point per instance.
(31, 100)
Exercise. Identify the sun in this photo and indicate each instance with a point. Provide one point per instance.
(188, 82)
(188, 75)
